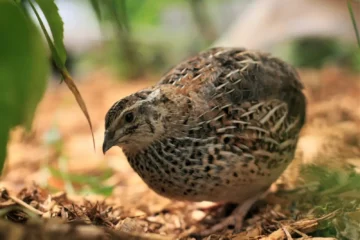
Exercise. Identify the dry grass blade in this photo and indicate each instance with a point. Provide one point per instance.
(305, 226)
(71, 85)
(287, 234)
(315, 238)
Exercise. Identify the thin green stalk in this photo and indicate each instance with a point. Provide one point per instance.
(132, 60)
(354, 22)
(60, 64)
(202, 20)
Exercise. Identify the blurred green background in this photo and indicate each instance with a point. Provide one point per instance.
(142, 37)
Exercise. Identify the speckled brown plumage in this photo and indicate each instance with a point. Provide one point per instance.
(220, 126)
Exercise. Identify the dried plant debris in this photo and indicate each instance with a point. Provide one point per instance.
(315, 209)
(56, 217)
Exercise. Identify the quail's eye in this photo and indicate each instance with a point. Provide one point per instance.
(129, 117)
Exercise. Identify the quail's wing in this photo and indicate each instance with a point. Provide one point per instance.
(235, 75)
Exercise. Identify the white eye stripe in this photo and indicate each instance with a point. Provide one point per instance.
(153, 95)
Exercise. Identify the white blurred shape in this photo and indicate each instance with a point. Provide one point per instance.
(266, 23)
(81, 27)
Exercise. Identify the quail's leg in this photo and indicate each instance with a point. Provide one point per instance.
(236, 218)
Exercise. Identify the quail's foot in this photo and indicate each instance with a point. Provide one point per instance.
(236, 218)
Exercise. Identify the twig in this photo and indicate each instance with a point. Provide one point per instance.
(287, 234)
(25, 205)
(303, 235)
(4, 194)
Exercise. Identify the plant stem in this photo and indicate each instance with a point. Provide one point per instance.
(203, 21)
(132, 60)
(352, 15)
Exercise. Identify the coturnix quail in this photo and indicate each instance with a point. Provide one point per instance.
(221, 126)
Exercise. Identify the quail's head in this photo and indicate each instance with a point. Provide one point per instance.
(132, 123)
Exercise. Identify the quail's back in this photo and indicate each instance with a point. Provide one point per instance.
(220, 126)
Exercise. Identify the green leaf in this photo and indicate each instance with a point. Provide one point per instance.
(23, 70)
(78, 178)
(101, 190)
(96, 6)
(51, 13)
(143, 12)
(93, 184)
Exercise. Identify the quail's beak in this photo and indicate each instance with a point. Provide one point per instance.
(108, 142)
